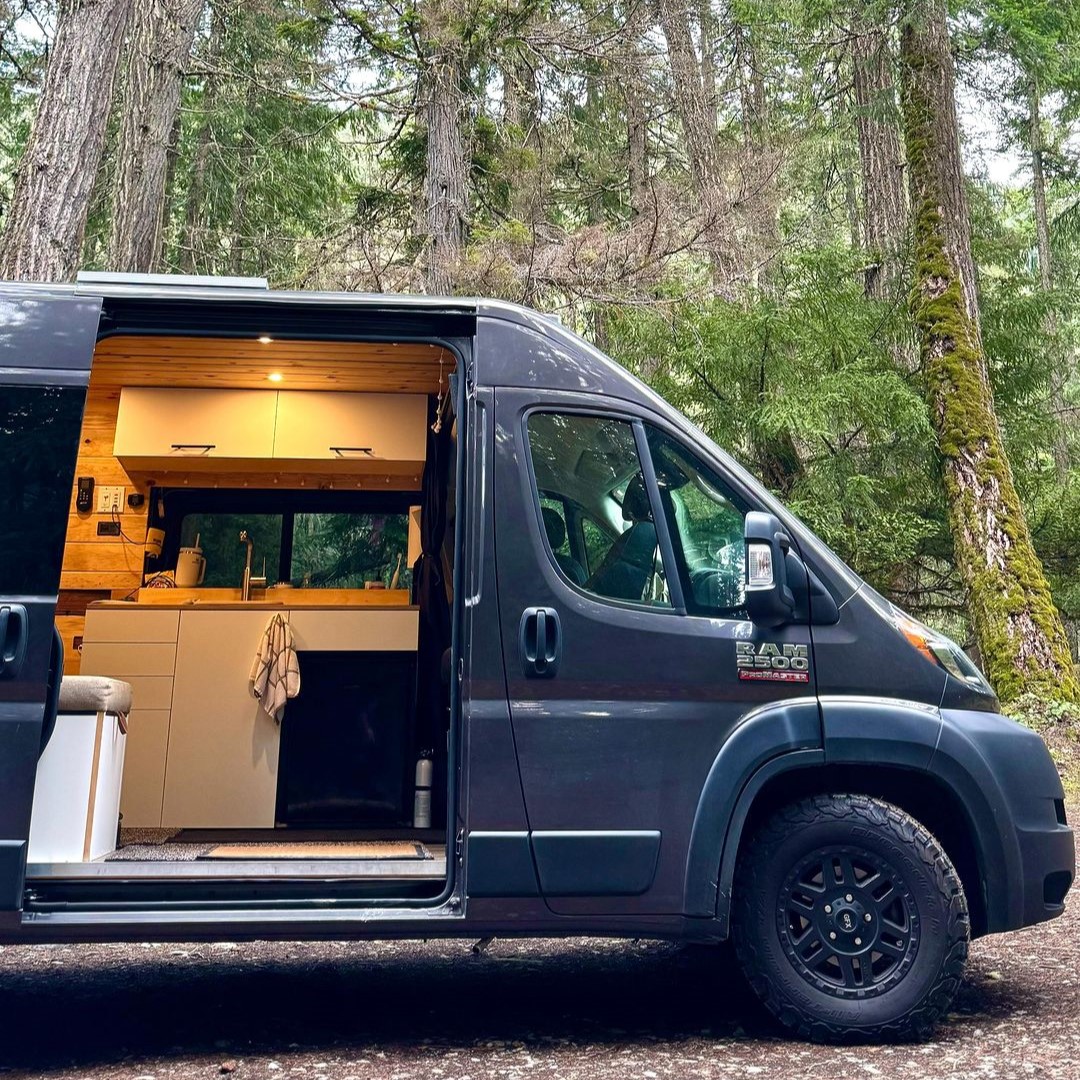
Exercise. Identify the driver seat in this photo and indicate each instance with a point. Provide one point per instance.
(631, 561)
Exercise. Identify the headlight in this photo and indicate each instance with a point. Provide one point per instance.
(939, 649)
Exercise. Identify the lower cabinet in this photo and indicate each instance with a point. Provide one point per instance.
(201, 752)
(221, 769)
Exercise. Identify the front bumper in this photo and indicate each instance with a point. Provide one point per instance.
(1010, 786)
(1049, 866)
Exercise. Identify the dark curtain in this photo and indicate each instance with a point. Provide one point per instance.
(430, 587)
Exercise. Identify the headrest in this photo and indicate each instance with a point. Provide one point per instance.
(554, 527)
(635, 505)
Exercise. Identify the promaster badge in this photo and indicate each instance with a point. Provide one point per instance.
(769, 662)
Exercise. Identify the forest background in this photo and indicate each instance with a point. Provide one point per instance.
(842, 237)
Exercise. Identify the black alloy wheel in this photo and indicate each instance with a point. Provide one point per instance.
(849, 920)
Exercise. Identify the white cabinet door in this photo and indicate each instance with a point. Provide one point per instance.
(193, 425)
(222, 763)
(144, 767)
(340, 426)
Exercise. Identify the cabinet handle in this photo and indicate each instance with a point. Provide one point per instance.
(194, 446)
(340, 450)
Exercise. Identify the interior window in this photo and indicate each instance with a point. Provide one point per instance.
(591, 463)
(218, 534)
(706, 523)
(348, 551)
(357, 541)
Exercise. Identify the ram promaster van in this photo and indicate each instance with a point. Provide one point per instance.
(350, 616)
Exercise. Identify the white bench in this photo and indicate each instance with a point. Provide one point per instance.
(77, 791)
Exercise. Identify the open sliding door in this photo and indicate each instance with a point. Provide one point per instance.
(46, 347)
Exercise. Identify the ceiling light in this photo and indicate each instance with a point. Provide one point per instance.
(275, 376)
(265, 339)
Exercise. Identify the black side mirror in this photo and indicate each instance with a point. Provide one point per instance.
(769, 599)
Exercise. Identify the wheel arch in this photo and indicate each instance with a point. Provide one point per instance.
(924, 796)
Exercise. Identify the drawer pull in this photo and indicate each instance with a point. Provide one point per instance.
(342, 450)
(206, 446)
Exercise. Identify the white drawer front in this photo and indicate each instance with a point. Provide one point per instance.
(109, 624)
(121, 660)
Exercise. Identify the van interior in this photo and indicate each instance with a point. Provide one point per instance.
(254, 516)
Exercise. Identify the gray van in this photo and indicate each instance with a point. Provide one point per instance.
(561, 665)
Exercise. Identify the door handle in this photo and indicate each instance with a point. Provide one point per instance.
(540, 642)
(14, 627)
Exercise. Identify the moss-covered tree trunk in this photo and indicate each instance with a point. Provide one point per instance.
(1018, 630)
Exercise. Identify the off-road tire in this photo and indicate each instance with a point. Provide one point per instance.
(925, 974)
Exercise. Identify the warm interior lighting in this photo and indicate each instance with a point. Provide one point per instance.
(266, 340)
(275, 376)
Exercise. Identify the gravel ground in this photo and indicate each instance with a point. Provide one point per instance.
(583, 1008)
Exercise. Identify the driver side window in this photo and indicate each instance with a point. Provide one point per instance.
(587, 470)
(705, 519)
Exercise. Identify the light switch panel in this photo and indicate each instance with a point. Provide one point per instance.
(109, 499)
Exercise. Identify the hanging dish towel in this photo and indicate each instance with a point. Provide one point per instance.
(275, 675)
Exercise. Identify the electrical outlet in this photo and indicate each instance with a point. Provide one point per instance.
(109, 499)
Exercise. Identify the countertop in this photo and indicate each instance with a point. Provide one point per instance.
(240, 605)
(222, 599)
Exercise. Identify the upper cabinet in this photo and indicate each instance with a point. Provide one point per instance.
(259, 430)
(154, 425)
(337, 426)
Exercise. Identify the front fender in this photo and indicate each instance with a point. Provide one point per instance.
(987, 763)
(908, 734)
(775, 731)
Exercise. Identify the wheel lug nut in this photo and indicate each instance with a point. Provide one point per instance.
(828, 909)
(848, 898)
(858, 941)
(832, 935)
(868, 917)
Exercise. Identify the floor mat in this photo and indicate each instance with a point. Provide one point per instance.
(373, 849)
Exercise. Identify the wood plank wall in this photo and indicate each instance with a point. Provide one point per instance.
(99, 567)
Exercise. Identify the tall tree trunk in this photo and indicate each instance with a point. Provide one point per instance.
(759, 199)
(162, 34)
(189, 255)
(633, 84)
(637, 147)
(1018, 630)
(1060, 375)
(697, 114)
(521, 114)
(446, 166)
(46, 220)
(1038, 187)
(880, 157)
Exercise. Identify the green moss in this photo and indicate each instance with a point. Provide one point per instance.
(1018, 630)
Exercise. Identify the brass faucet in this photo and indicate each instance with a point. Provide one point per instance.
(245, 583)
